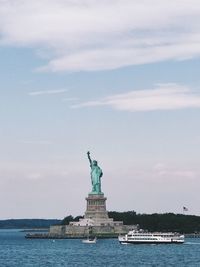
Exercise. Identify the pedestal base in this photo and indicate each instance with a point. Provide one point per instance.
(96, 206)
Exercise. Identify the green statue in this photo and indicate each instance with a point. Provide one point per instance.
(96, 174)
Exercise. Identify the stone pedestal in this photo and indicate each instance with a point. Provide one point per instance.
(96, 207)
(96, 210)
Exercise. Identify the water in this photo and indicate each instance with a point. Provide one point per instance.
(15, 250)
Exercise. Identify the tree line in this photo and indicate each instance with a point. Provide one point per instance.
(153, 222)
(159, 222)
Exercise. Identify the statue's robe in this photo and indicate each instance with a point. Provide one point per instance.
(96, 174)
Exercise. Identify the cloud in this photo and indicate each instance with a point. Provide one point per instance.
(47, 92)
(67, 99)
(160, 170)
(43, 170)
(34, 176)
(86, 35)
(163, 97)
(37, 142)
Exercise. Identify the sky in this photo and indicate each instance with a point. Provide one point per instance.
(118, 78)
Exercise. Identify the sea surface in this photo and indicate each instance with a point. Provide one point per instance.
(15, 250)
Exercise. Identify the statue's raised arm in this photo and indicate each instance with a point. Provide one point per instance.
(88, 154)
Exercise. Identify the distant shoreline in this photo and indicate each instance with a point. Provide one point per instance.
(26, 224)
(34, 230)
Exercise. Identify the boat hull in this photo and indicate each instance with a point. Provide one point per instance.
(151, 242)
(89, 241)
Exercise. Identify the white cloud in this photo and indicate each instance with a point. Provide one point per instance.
(163, 97)
(36, 142)
(97, 35)
(34, 176)
(28, 170)
(67, 99)
(163, 171)
(48, 92)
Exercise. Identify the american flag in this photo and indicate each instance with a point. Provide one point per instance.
(185, 209)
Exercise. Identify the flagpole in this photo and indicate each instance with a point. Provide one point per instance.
(184, 210)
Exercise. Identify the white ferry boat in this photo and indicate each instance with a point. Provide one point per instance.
(142, 237)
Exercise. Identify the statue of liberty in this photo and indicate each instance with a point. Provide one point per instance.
(96, 174)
